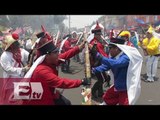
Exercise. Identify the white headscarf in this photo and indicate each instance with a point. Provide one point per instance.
(33, 67)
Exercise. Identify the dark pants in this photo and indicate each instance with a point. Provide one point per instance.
(98, 86)
(62, 101)
(65, 66)
(1, 51)
(77, 58)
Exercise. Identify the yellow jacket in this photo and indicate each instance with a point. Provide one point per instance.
(153, 46)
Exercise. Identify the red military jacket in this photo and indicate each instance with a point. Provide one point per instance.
(66, 46)
(73, 41)
(100, 47)
(48, 76)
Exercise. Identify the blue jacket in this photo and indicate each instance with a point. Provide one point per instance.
(119, 66)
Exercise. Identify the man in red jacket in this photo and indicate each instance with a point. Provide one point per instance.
(65, 46)
(46, 73)
(98, 43)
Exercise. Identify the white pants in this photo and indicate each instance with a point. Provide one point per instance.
(151, 64)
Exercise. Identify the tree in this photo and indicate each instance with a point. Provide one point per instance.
(4, 20)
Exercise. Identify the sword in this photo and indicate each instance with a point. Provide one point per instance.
(57, 36)
(79, 38)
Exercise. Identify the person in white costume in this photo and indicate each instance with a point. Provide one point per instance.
(14, 65)
(14, 59)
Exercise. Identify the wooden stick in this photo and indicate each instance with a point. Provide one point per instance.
(86, 90)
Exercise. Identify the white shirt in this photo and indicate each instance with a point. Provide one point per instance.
(10, 66)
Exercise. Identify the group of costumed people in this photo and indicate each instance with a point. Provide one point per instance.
(121, 64)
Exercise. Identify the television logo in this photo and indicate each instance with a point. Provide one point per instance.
(28, 90)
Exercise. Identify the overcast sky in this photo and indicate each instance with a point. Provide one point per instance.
(81, 21)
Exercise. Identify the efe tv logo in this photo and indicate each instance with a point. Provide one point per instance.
(28, 90)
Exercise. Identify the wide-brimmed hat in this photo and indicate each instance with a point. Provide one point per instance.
(97, 29)
(125, 34)
(115, 41)
(8, 41)
(47, 47)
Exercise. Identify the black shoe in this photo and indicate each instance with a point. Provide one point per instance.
(63, 70)
(77, 61)
(81, 63)
(68, 71)
(100, 95)
(94, 96)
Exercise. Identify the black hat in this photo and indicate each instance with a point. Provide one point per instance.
(114, 41)
(48, 47)
(41, 34)
(68, 35)
(117, 41)
(97, 31)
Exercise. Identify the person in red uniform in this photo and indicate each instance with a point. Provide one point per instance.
(74, 42)
(46, 73)
(65, 47)
(102, 77)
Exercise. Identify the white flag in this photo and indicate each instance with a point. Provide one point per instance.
(133, 73)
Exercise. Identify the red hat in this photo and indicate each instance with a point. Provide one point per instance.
(42, 41)
(97, 26)
(41, 34)
(15, 36)
(97, 29)
(48, 36)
